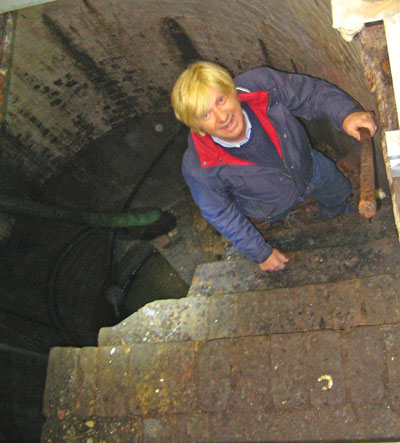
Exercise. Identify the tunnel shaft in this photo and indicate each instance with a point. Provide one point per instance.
(88, 84)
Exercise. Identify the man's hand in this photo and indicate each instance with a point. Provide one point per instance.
(353, 122)
(275, 262)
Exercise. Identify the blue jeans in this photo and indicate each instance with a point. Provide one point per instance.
(329, 187)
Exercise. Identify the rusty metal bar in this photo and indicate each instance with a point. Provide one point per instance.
(367, 203)
(7, 26)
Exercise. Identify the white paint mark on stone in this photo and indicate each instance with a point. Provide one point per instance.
(328, 378)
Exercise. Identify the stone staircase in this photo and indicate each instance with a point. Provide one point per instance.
(308, 354)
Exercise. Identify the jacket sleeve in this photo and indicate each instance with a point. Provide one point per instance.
(219, 208)
(303, 95)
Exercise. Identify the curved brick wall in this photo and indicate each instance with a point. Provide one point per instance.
(83, 67)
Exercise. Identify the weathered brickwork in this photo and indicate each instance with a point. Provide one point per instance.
(81, 68)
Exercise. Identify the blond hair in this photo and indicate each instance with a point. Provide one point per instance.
(191, 96)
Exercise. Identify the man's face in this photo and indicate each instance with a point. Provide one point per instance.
(224, 118)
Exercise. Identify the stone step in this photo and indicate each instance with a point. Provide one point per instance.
(335, 306)
(318, 265)
(327, 233)
(249, 356)
(195, 241)
(322, 385)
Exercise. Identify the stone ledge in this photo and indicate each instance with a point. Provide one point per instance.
(320, 265)
(336, 306)
(283, 373)
(327, 424)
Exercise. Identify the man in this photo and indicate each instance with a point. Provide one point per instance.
(248, 154)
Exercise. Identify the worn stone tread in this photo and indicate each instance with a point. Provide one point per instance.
(336, 306)
(307, 266)
(278, 384)
(372, 424)
(196, 242)
(330, 233)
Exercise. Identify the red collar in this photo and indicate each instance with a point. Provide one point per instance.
(211, 154)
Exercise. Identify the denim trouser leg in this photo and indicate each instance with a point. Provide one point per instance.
(329, 187)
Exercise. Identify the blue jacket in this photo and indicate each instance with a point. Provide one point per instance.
(228, 190)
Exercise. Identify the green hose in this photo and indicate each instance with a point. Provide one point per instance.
(138, 216)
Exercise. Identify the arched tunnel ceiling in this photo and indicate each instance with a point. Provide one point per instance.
(82, 67)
